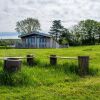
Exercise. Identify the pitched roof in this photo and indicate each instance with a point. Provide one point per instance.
(38, 33)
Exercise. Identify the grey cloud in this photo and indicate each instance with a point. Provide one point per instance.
(69, 11)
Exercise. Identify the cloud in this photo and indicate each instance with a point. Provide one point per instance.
(69, 11)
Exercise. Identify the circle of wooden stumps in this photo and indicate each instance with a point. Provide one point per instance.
(12, 64)
(83, 65)
(30, 60)
(53, 59)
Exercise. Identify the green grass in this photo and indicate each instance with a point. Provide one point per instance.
(46, 82)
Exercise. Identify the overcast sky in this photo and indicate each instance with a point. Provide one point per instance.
(69, 11)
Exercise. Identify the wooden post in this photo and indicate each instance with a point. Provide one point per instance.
(30, 60)
(12, 64)
(53, 59)
(83, 63)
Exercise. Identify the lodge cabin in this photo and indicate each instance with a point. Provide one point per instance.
(38, 40)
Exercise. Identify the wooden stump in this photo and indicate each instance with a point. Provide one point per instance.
(83, 63)
(53, 59)
(12, 64)
(30, 60)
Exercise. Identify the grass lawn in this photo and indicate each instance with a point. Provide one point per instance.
(46, 82)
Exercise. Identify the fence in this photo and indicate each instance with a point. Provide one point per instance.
(14, 63)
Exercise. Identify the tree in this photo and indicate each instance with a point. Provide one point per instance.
(90, 30)
(98, 34)
(56, 29)
(77, 35)
(86, 31)
(27, 26)
(65, 37)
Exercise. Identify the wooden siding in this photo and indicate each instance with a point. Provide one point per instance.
(36, 42)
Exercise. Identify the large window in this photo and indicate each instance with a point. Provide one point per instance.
(43, 40)
(26, 40)
(33, 40)
(40, 40)
(29, 40)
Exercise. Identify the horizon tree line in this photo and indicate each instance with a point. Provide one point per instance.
(86, 32)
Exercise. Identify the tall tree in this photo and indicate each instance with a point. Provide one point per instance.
(98, 33)
(56, 29)
(86, 31)
(27, 26)
(90, 30)
(77, 35)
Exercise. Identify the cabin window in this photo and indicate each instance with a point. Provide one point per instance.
(33, 40)
(29, 40)
(43, 39)
(26, 41)
(40, 40)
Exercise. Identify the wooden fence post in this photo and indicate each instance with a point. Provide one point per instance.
(53, 59)
(12, 64)
(30, 60)
(83, 64)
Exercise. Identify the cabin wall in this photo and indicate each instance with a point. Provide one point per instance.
(53, 43)
(36, 42)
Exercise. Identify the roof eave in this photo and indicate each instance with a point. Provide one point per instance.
(24, 35)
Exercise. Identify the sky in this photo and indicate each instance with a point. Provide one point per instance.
(69, 11)
(9, 35)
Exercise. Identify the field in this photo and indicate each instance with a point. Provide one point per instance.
(46, 82)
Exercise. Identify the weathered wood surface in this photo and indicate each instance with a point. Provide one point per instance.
(75, 58)
(12, 65)
(30, 60)
(83, 64)
(53, 59)
(3, 58)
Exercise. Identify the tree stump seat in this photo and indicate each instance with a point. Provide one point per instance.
(12, 64)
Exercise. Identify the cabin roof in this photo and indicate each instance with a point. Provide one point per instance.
(34, 33)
